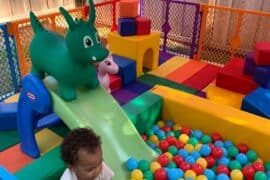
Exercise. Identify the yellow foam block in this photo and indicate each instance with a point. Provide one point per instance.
(231, 123)
(143, 49)
(13, 98)
(169, 66)
(223, 96)
(213, 83)
(47, 140)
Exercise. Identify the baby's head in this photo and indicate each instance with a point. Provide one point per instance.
(81, 151)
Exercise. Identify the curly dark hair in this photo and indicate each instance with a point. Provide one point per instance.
(77, 139)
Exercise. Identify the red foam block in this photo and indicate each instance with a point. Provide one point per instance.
(231, 77)
(115, 82)
(143, 25)
(262, 53)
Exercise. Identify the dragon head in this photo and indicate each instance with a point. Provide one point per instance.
(82, 38)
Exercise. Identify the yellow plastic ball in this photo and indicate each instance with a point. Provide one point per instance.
(169, 155)
(190, 174)
(236, 174)
(183, 138)
(202, 162)
(201, 177)
(198, 147)
(177, 127)
(189, 148)
(136, 174)
(259, 160)
(160, 124)
(154, 166)
(154, 139)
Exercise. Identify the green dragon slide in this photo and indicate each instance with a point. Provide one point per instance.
(98, 110)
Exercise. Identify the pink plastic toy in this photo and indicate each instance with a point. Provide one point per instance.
(106, 67)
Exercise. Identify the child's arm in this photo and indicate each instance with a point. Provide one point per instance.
(107, 172)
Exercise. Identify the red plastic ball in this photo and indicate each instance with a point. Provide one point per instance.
(258, 166)
(185, 130)
(166, 128)
(178, 159)
(210, 161)
(184, 166)
(211, 145)
(248, 171)
(171, 140)
(217, 152)
(144, 137)
(242, 148)
(216, 137)
(197, 168)
(163, 160)
(179, 145)
(160, 174)
(163, 145)
(223, 169)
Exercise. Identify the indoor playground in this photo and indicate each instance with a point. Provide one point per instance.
(177, 90)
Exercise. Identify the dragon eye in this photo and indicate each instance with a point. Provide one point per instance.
(97, 37)
(87, 41)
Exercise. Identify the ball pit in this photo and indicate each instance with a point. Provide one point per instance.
(189, 154)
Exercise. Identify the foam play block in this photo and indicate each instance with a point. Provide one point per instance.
(5, 175)
(144, 110)
(115, 82)
(231, 77)
(262, 53)
(143, 25)
(127, 69)
(262, 75)
(128, 8)
(123, 96)
(8, 116)
(257, 102)
(249, 65)
(126, 26)
(137, 87)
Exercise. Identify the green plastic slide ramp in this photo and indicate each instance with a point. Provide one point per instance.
(100, 111)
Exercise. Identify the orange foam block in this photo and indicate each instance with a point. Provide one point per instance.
(128, 8)
(186, 71)
(13, 159)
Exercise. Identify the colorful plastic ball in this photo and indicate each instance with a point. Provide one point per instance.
(248, 171)
(179, 145)
(169, 123)
(178, 159)
(170, 133)
(169, 155)
(184, 166)
(236, 174)
(150, 132)
(258, 166)
(201, 177)
(189, 148)
(166, 128)
(205, 150)
(190, 160)
(175, 174)
(202, 162)
(252, 155)
(209, 174)
(198, 147)
(154, 139)
(206, 139)
(222, 169)
(260, 176)
(132, 163)
(163, 160)
(219, 144)
(216, 137)
(183, 153)
(268, 174)
(163, 145)
(228, 143)
(197, 168)
(171, 140)
(196, 155)
(148, 175)
(151, 144)
(144, 165)
(197, 134)
(193, 141)
(161, 134)
(173, 150)
(177, 127)
(259, 160)
(183, 138)
(160, 124)
(224, 161)
(136, 174)
(158, 150)
(232, 151)
(222, 177)
(171, 165)
(242, 148)
(160, 174)
(155, 128)
(186, 130)
(225, 152)
(210, 161)
(267, 166)
(217, 152)
(190, 174)
(242, 158)
(154, 166)
(234, 165)
(144, 137)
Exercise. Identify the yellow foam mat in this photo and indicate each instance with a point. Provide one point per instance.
(213, 83)
(231, 123)
(223, 96)
(47, 140)
(13, 98)
(169, 66)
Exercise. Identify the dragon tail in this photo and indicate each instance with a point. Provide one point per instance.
(36, 25)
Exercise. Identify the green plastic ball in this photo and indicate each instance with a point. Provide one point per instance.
(260, 176)
(171, 165)
(144, 165)
(252, 155)
(235, 165)
(206, 139)
(193, 141)
(267, 166)
(232, 151)
(158, 150)
(148, 175)
(173, 150)
(170, 133)
(177, 133)
(150, 132)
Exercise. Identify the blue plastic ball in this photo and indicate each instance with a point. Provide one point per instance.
(155, 128)
(225, 152)
(268, 174)
(160, 134)
(219, 144)
(190, 160)
(175, 173)
(209, 173)
(242, 158)
(224, 161)
(228, 143)
(152, 145)
(169, 123)
(222, 176)
(183, 153)
(197, 134)
(132, 163)
(196, 155)
(205, 150)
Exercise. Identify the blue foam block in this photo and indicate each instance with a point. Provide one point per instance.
(127, 69)
(8, 113)
(126, 26)
(262, 75)
(137, 87)
(257, 102)
(5, 175)
(249, 65)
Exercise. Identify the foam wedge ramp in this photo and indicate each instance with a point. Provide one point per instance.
(99, 110)
(257, 102)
